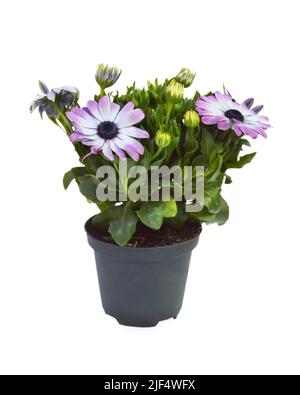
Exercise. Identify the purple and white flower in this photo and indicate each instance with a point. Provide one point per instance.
(64, 97)
(104, 127)
(222, 110)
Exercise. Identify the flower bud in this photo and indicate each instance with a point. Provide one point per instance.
(185, 77)
(191, 119)
(107, 76)
(162, 139)
(174, 91)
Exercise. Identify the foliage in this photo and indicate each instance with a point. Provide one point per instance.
(178, 138)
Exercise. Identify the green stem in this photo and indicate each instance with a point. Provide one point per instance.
(102, 91)
(158, 152)
(169, 110)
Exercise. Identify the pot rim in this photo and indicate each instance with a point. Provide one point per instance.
(182, 247)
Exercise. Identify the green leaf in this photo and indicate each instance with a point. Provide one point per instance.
(215, 152)
(161, 159)
(68, 178)
(223, 215)
(191, 145)
(210, 218)
(212, 196)
(152, 214)
(245, 142)
(207, 143)
(214, 168)
(146, 160)
(202, 216)
(108, 214)
(72, 175)
(124, 226)
(88, 187)
(180, 218)
(228, 179)
(242, 161)
(199, 161)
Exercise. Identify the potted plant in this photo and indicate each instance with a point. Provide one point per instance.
(153, 162)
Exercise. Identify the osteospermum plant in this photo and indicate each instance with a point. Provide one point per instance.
(153, 126)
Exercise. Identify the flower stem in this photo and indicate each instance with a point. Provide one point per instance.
(169, 110)
(158, 152)
(102, 92)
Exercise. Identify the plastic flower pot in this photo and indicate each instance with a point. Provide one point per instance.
(142, 286)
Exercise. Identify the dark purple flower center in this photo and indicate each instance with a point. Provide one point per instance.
(108, 130)
(234, 114)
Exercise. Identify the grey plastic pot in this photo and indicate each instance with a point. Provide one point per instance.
(142, 286)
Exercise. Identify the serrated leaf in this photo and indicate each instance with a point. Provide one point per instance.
(242, 161)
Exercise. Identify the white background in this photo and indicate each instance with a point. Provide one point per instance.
(241, 309)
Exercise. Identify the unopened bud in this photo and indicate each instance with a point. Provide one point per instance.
(191, 119)
(174, 91)
(107, 76)
(185, 77)
(162, 139)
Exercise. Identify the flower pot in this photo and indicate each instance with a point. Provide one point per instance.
(142, 286)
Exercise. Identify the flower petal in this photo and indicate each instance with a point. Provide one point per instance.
(237, 130)
(131, 151)
(209, 120)
(81, 117)
(74, 137)
(136, 145)
(93, 108)
(134, 132)
(115, 108)
(117, 150)
(98, 141)
(51, 95)
(128, 116)
(104, 106)
(257, 109)
(107, 151)
(224, 124)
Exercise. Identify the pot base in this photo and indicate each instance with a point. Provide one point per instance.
(139, 324)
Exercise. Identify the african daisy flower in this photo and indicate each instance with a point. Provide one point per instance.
(64, 97)
(103, 127)
(222, 110)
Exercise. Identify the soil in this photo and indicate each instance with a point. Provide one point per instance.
(146, 237)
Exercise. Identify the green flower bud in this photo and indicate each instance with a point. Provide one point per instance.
(107, 76)
(185, 77)
(162, 139)
(191, 119)
(174, 91)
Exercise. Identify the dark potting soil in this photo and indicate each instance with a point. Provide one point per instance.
(146, 237)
